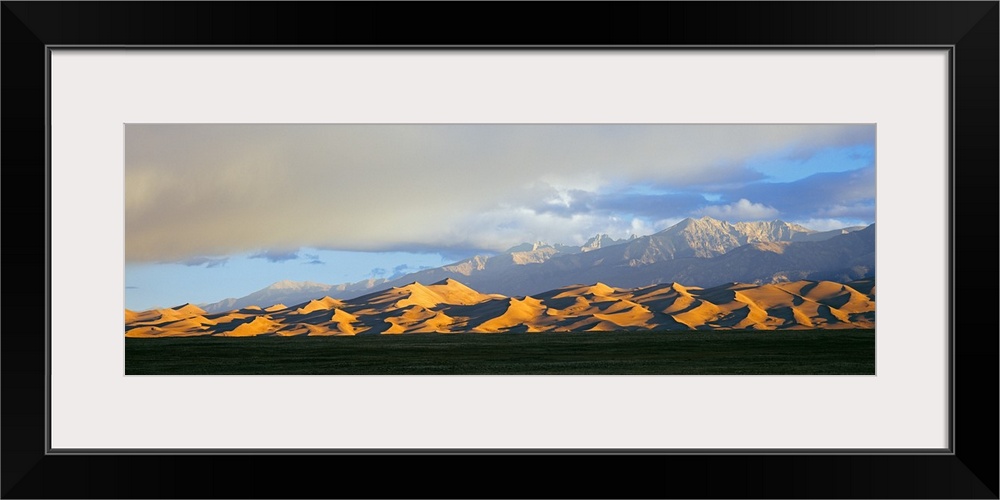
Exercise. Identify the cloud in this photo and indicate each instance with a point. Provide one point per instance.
(500, 229)
(378, 272)
(312, 259)
(404, 269)
(852, 136)
(131, 287)
(276, 255)
(849, 194)
(653, 206)
(401, 270)
(741, 210)
(204, 189)
(204, 261)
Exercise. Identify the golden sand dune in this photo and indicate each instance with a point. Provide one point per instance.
(322, 304)
(450, 307)
(700, 314)
(188, 310)
(181, 321)
(419, 319)
(296, 329)
(527, 314)
(254, 327)
(452, 292)
(155, 331)
(569, 306)
(449, 292)
(595, 290)
(633, 316)
(152, 316)
(230, 316)
(593, 325)
(188, 327)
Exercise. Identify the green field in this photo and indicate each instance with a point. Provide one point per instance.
(804, 352)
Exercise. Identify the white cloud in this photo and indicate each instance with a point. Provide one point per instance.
(743, 209)
(501, 229)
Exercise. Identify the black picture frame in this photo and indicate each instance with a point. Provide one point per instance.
(970, 29)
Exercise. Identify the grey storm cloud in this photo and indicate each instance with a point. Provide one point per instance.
(215, 189)
(276, 255)
(204, 261)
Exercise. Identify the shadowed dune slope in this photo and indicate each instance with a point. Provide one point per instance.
(449, 306)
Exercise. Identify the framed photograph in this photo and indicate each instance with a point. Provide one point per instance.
(661, 253)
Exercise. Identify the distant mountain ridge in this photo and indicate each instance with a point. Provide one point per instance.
(291, 292)
(698, 252)
(691, 251)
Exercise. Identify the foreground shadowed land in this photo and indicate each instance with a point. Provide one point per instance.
(801, 352)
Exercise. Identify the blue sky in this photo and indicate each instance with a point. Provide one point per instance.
(216, 211)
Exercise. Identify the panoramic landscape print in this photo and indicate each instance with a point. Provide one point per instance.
(473, 249)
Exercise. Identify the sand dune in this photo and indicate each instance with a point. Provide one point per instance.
(296, 329)
(451, 307)
(527, 314)
(420, 319)
(188, 309)
(631, 317)
(254, 327)
(595, 290)
(448, 291)
(318, 305)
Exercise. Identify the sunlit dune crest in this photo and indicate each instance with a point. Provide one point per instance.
(595, 290)
(527, 314)
(449, 306)
(448, 291)
(254, 327)
(186, 309)
(318, 305)
(296, 329)
(420, 319)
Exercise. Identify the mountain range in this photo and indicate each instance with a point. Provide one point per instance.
(701, 252)
(450, 306)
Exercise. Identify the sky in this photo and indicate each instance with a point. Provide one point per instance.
(221, 210)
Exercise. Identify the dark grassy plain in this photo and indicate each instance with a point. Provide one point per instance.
(803, 352)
